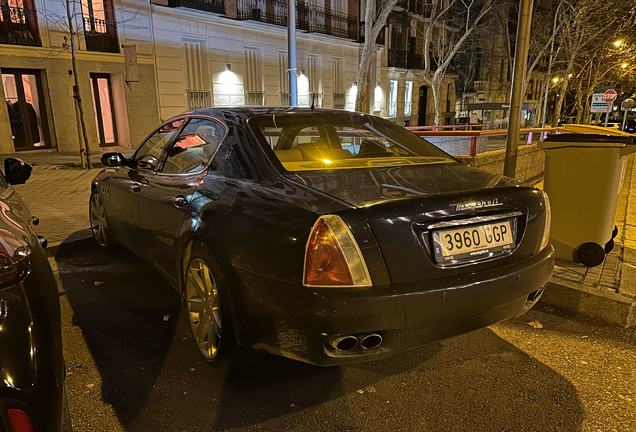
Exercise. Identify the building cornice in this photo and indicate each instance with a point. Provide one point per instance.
(43, 53)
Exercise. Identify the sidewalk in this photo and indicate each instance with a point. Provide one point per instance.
(58, 194)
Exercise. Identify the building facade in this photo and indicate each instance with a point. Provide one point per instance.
(39, 109)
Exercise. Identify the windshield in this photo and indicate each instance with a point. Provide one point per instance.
(326, 141)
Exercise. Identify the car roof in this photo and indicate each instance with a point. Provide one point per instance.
(240, 114)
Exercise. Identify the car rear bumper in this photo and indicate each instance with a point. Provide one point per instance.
(295, 323)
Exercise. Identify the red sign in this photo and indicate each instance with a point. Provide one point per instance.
(609, 96)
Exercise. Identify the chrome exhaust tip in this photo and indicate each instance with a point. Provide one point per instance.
(370, 341)
(343, 343)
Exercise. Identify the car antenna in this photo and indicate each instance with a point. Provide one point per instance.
(313, 99)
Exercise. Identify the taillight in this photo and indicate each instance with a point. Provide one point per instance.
(545, 240)
(332, 257)
(19, 420)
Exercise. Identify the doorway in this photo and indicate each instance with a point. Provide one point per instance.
(421, 112)
(25, 103)
(102, 92)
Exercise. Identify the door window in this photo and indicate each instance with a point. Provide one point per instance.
(22, 92)
(149, 153)
(194, 147)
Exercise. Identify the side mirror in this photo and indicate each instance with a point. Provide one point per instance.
(113, 159)
(16, 171)
(148, 163)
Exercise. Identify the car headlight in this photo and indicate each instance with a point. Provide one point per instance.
(545, 240)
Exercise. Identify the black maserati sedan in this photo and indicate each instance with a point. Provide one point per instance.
(326, 236)
(32, 396)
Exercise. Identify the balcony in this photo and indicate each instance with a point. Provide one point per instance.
(198, 99)
(214, 6)
(19, 26)
(479, 86)
(415, 61)
(254, 98)
(101, 35)
(285, 99)
(379, 40)
(310, 18)
(418, 7)
(398, 58)
(339, 100)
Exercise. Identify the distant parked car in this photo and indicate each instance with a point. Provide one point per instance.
(324, 236)
(32, 395)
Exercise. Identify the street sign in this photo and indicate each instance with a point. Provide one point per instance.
(609, 96)
(598, 103)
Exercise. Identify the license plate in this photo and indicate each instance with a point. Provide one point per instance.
(473, 242)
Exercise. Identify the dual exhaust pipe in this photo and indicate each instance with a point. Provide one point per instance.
(348, 342)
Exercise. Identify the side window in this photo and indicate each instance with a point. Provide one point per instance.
(149, 154)
(194, 147)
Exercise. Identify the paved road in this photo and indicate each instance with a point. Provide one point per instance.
(131, 370)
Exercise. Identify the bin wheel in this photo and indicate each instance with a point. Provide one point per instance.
(609, 246)
(590, 254)
(615, 232)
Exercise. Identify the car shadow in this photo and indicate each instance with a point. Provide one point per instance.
(155, 379)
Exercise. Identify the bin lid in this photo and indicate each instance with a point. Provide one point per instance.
(586, 140)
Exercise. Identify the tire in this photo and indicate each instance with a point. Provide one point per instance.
(209, 314)
(66, 417)
(99, 223)
(590, 254)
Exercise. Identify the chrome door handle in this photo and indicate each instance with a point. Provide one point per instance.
(179, 201)
(135, 188)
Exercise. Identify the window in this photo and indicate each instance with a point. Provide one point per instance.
(304, 142)
(100, 29)
(338, 84)
(194, 147)
(150, 152)
(253, 77)
(393, 98)
(408, 98)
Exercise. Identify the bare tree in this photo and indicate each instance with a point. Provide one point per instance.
(372, 28)
(451, 23)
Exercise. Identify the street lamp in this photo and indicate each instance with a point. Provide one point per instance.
(618, 43)
(624, 65)
(555, 80)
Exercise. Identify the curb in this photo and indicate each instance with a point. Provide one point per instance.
(607, 306)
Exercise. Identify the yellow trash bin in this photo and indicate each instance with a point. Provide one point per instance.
(583, 178)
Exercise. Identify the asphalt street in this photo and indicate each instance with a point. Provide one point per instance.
(132, 366)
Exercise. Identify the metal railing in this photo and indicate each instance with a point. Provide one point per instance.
(198, 99)
(254, 98)
(214, 6)
(310, 18)
(408, 108)
(397, 58)
(339, 100)
(380, 40)
(285, 99)
(19, 26)
(392, 109)
(316, 99)
(321, 20)
(479, 85)
(415, 61)
(101, 35)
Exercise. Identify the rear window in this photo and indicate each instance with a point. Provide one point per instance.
(325, 141)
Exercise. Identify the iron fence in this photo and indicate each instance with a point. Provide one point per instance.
(339, 100)
(198, 99)
(101, 35)
(254, 98)
(214, 6)
(397, 58)
(19, 26)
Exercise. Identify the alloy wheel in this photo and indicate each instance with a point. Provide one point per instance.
(204, 308)
(99, 226)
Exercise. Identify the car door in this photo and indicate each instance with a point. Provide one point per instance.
(166, 195)
(126, 182)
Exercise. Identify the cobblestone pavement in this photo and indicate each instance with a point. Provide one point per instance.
(58, 196)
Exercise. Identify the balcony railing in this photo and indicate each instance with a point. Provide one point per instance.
(198, 99)
(419, 7)
(408, 108)
(101, 35)
(479, 85)
(285, 99)
(321, 20)
(310, 18)
(254, 98)
(214, 6)
(316, 99)
(392, 109)
(398, 58)
(19, 26)
(339, 100)
(415, 61)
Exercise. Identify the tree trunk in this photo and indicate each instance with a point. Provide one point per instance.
(559, 104)
(577, 103)
(435, 88)
(362, 97)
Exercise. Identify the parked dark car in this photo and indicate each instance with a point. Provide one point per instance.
(324, 236)
(32, 395)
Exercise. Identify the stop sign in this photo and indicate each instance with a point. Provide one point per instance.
(609, 96)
